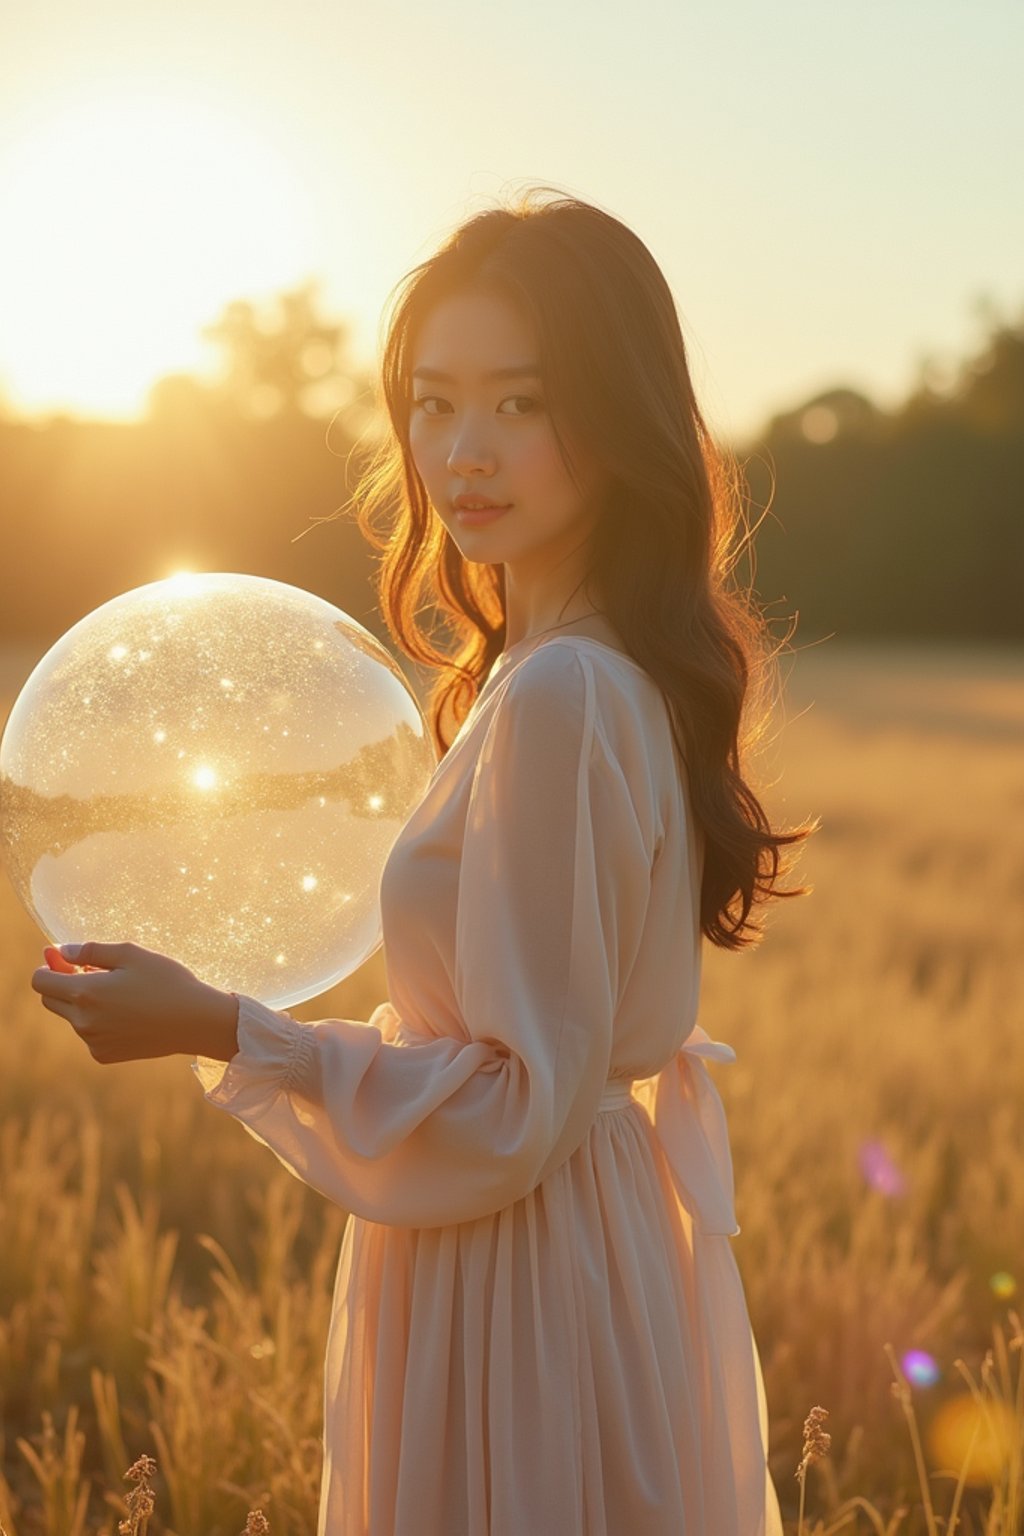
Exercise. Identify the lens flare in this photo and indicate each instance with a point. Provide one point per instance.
(976, 1438)
(879, 1170)
(920, 1368)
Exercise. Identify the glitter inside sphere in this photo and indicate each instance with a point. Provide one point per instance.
(214, 766)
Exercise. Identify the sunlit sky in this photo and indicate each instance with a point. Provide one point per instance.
(829, 188)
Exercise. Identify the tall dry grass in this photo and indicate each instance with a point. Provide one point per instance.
(165, 1284)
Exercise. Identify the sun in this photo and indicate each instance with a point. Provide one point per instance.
(129, 224)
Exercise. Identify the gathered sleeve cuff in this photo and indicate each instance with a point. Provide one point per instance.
(276, 1055)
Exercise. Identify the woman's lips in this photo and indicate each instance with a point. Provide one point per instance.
(484, 515)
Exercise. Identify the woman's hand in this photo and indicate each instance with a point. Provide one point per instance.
(130, 1003)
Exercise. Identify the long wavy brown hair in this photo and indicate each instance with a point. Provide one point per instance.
(664, 549)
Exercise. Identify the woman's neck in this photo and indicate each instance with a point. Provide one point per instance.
(528, 615)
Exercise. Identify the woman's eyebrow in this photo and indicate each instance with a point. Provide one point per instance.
(513, 371)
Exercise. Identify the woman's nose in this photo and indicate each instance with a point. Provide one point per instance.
(469, 455)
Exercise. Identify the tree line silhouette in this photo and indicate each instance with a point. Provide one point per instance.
(901, 524)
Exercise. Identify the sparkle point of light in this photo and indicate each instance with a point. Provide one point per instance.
(159, 736)
(117, 652)
(204, 778)
(309, 882)
(375, 802)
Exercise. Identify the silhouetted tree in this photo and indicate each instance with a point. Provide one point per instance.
(275, 363)
(903, 523)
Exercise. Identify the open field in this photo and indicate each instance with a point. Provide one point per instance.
(165, 1284)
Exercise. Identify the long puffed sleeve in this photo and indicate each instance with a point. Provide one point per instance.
(553, 886)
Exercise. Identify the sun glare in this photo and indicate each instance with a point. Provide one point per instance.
(129, 225)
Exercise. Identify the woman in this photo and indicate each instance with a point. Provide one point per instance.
(539, 1325)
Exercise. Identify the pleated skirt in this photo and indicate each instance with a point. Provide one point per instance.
(564, 1367)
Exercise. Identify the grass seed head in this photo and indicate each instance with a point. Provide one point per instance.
(141, 1500)
(816, 1442)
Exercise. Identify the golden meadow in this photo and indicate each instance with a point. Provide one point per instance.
(165, 1283)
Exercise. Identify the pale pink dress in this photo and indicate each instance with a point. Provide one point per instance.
(539, 1328)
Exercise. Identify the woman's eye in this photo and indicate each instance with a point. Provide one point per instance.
(530, 401)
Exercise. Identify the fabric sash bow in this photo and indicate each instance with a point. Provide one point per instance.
(689, 1120)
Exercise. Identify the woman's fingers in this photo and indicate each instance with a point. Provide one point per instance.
(57, 983)
(55, 960)
(126, 1002)
(105, 956)
(54, 993)
(70, 995)
(56, 1006)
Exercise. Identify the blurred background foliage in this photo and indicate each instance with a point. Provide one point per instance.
(888, 524)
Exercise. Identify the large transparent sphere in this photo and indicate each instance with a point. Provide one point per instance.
(214, 766)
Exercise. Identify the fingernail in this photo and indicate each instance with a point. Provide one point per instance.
(70, 951)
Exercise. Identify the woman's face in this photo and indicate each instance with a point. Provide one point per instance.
(479, 434)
